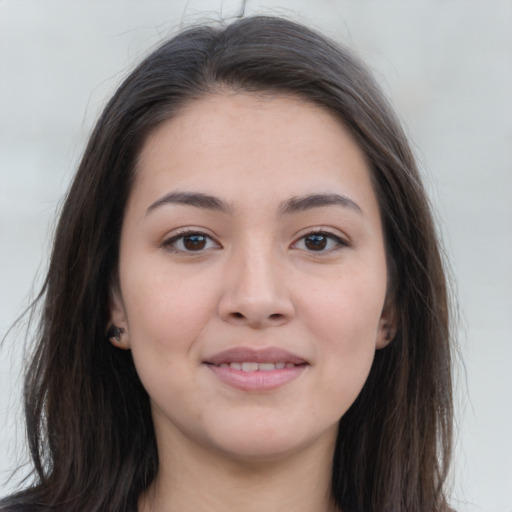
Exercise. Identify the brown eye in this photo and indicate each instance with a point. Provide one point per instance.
(320, 242)
(316, 242)
(189, 242)
(194, 242)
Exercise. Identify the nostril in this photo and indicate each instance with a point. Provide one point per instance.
(274, 316)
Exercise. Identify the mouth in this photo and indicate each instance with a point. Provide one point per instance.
(250, 357)
(256, 369)
(253, 366)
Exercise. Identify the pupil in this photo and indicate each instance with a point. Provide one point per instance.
(316, 242)
(194, 242)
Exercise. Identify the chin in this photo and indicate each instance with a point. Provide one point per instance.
(253, 442)
(260, 451)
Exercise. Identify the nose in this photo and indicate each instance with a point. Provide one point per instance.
(255, 292)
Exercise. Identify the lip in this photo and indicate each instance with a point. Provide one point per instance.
(260, 355)
(256, 380)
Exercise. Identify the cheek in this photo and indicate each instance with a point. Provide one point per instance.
(165, 312)
(344, 320)
(347, 308)
(165, 319)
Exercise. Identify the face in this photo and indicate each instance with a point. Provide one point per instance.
(252, 275)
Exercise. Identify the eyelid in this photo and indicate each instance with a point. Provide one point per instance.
(341, 241)
(168, 242)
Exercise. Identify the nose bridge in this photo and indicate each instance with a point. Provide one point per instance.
(256, 293)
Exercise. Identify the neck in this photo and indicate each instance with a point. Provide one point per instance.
(199, 481)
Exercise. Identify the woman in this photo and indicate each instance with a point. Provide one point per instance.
(245, 305)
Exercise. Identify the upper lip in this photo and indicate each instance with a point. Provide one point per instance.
(256, 355)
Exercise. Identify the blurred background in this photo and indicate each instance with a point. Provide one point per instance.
(447, 67)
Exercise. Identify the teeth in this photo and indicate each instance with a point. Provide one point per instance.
(250, 366)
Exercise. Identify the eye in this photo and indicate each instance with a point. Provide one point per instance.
(320, 242)
(190, 241)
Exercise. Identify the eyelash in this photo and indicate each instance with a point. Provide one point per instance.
(338, 241)
(170, 243)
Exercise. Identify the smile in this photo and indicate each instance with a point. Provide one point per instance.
(250, 369)
(257, 367)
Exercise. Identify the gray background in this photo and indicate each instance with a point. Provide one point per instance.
(447, 65)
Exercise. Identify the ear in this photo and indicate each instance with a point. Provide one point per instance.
(388, 325)
(118, 319)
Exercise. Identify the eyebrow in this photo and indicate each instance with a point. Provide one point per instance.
(307, 202)
(196, 199)
(292, 205)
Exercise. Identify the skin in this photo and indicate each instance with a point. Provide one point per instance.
(254, 278)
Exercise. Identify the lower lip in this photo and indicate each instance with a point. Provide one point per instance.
(258, 380)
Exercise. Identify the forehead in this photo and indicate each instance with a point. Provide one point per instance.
(240, 143)
(229, 119)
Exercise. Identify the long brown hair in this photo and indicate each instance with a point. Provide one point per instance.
(88, 417)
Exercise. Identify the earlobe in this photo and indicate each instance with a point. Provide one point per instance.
(117, 332)
(387, 327)
(385, 336)
(115, 335)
